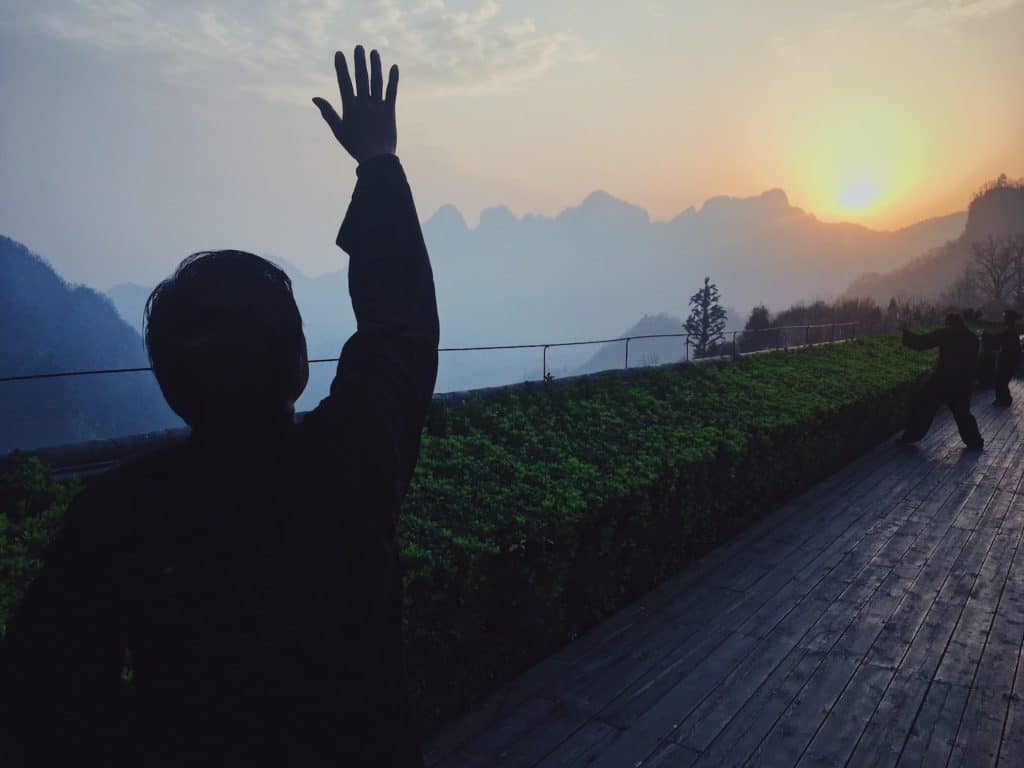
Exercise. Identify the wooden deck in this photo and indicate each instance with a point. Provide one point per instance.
(876, 620)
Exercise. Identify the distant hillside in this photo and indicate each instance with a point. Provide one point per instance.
(48, 325)
(642, 352)
(997, 210)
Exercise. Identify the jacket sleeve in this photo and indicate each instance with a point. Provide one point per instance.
(387, 370)
(61, 659)
(924, 340)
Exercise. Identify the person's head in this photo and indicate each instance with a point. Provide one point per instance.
(1010, 317)
(225, 340)
(955, 320)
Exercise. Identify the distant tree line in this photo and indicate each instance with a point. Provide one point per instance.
(993, 279)
(789, 327)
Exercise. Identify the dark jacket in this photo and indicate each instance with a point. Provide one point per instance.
(1008, 343)
(958, 356)
(250, 588)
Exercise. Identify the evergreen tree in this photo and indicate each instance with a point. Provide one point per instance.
(760, 318)
(707, 319)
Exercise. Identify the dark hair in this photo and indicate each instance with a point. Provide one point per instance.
(225, 340)
(955, 320)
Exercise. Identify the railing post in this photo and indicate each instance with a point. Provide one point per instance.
(544, 365)
(735, 346)
(686, 354)
(833, 333)
(627, 352)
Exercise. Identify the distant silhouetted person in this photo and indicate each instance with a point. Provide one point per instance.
(986, 370)
(1007, 342)
(949, 384)
(236, 600)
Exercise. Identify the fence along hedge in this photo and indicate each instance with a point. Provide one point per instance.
(540, 510)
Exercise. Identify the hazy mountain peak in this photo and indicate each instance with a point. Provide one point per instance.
(687, 215)
(771, 201)
(601, 206)
(448, 219)
(497, 216)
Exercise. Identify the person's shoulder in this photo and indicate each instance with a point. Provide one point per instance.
(117, 491)
(155, 465)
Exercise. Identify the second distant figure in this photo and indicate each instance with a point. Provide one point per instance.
(1007, 342)
(949, 384)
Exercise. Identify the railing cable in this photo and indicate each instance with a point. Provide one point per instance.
(487, 348)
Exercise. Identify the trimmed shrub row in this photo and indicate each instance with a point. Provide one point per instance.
(541, 509)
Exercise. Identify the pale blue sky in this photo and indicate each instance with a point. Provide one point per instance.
(135, 132)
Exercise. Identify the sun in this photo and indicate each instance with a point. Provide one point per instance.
(861, 158)
(859, 196)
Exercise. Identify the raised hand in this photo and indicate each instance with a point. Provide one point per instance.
(366, 127)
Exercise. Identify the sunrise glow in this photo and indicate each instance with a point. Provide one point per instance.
(858, 195)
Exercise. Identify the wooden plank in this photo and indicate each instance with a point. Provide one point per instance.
(645, 692)
(963, 654)
(737, 741)
(672, 756)
(713, 714)
(644, 734)
(587, 744)
(883, 737)
(931, 738)
(838, 735)
(786, 742)
(976, 739)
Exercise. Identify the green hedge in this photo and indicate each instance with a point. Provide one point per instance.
(541, 509)
(31, 508)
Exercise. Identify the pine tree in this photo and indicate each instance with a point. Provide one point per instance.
(707, 319)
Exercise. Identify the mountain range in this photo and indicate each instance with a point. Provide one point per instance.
(587, 273)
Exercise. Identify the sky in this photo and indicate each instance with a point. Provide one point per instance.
(133, 133)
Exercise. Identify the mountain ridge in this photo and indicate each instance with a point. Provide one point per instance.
(449, 215)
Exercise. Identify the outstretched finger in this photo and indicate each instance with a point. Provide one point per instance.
(330, 116)
(362, 83)
(392, 92)
(376, 80)
(344, 81)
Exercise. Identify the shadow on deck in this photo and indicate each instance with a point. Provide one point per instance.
(876, 620)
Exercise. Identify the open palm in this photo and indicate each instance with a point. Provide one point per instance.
(366, 127)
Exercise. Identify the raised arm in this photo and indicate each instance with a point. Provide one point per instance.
(387, 370)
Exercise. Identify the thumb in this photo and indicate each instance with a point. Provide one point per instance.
(329, 115)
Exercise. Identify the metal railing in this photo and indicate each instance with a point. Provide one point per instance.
(783, 337)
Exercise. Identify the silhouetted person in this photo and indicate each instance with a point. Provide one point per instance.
(1007, 342)
(949, 384)
(986, 371)
(247, 581)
